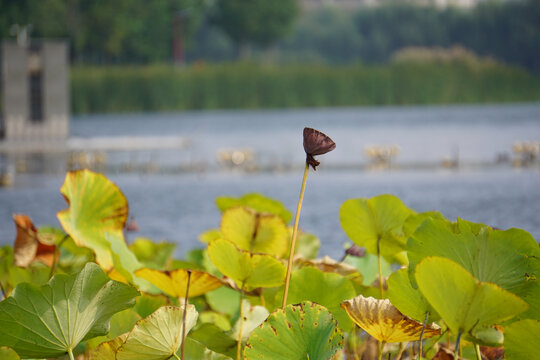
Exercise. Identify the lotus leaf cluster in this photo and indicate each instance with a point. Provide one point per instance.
(409, 285)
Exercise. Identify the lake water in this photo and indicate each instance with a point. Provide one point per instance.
(176, 205)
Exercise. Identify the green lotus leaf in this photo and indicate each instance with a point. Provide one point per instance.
(415, 220)
(463, 302)
(175, 282)
(225, 300)
(73, 257)
(299, 332)
(96, 217)
(307, 245)
(533, 299)
(368, 267)
(158, 336)
(509, 259)
(120, 323)
(36, 273)
(8, 354)
(152, 255)
(488, 336)
(6, 263)
(255, 232)
(146, 304)
(194, 350)
(326, 289)
(379, 219)
(218, 319)
(252, 270)
(257, 202)
(50, 320)
(407, 299)
(214, 339)
(521, 340)
(253, 316)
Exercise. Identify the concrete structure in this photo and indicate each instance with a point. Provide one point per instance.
(35, 101)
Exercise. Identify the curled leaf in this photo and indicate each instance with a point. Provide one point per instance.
(28, 245)
(95, 218)
(329, 265)
(384, 321)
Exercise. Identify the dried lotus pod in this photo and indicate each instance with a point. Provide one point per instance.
(316, 143)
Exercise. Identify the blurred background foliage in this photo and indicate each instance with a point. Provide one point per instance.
(327, 55)
(141, 32)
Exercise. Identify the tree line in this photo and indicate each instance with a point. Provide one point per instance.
(507, 31)
(141, 32)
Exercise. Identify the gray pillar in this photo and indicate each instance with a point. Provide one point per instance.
(15, 89)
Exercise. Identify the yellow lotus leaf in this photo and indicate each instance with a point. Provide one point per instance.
(383, 321)
(174, 282)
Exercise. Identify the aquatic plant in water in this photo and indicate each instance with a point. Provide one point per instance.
(81, 291)
(315, 143)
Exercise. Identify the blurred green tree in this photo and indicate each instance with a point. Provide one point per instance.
(260, 22)
(102, 31)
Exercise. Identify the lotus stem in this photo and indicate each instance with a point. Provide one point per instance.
(401, 350)
(293, 240)
(55, 255)
(355, 343)
(70, 353)
(420, 342)
(380, 268)
(184, 316)
(176, 356)
(478, 352)
(239, 343)
(456, 350)
(380, 346)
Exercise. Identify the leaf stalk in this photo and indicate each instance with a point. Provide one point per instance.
(240, 328)
(294, 234)
(478, 352)
(421, 345)
(184, 316)
(380, 267)
(456, 350)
